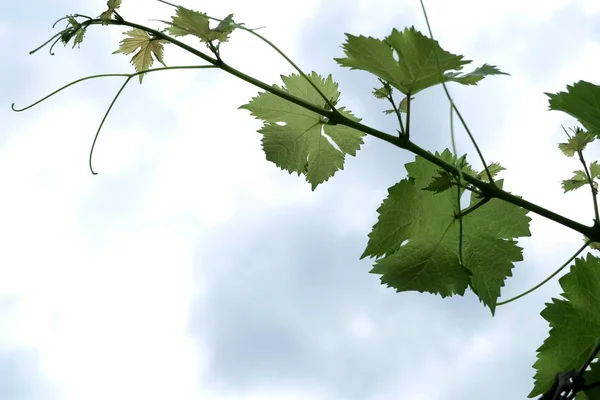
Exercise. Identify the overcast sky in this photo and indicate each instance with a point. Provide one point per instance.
(192, 268)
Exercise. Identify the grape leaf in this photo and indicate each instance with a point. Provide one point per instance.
(382, 93)
(73, 30)
(299, 140)
(190, 22)
(577, 142)
(417, 68)
(444, 180)
(107, 15)
(494, 169)
(581, 101)
(579, 178)
(142, 60)
(574, 323)
(595, 169)
(429, 260)
(79, 35)
(403, 106)
(474, 76)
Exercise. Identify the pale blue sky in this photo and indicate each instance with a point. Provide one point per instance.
(192, 268)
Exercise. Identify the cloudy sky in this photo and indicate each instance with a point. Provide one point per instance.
(192, 268)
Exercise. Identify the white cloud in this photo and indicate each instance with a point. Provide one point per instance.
(105, 289)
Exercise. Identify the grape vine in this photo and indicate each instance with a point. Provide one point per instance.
(423, 240)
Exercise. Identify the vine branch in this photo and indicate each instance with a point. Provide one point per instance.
(488, 189)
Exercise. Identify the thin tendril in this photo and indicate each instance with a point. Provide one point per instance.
(64, 87)
(106, 76)
(129, 77)
(490, 177)
(475, 207)
(58, 20)
(112, 103)
(46, 42)
(53, 44)
(82, 16)
(587, 243)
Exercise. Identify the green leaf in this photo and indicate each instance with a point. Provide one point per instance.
(577, 142)
(494, 169)
(474, 76)
(444, 180)
(190, 22)
(107, 15)
(574, 322)
(403, 106)
(595, 170)
(225, 27)
(139, 39)
(417, 68)
(579, 178)
(73, 30)
(79, 35)
(441, 183)
(382, 93)
(299, 140)
(416, 239)
(581, 101)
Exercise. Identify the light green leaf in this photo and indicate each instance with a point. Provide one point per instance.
(403, 106)
(107, 15)
(574, 322)
(190, 22)
(225, 27)
(494, 169)
(416, 239)
(579, 179)
(139, 39)
(382, 93)
(595, 170)
(581, 101)
(577, 142)
(299, 140)
(73, 30)
(79, 35)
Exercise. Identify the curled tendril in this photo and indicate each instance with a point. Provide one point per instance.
(112, 103)
(46, 42)
(59, 35)
(58, 20)
(82, 16)
(64, 87)
(54, 44)
(128, 76)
